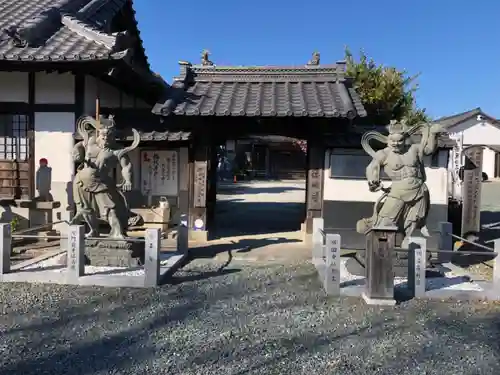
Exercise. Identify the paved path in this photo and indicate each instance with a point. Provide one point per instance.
(271, 319)
(259, 207)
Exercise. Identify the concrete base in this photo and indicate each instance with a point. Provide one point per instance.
(44, 269)
(378, 301)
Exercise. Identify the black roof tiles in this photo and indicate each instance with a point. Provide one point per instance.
(309, 91)
(69, 30)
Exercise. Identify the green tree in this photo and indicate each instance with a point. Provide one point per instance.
(387, 93)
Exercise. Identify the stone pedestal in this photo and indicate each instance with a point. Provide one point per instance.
(114, 253)
(379, 283)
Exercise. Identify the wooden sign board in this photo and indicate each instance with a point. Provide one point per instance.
(160, 172)
(471, 189)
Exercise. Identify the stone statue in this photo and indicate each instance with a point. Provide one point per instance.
(405, 204)
(204, 58)
(95, 192)
(43, 181)
(315, 59)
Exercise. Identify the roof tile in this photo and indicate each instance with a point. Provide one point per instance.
(58, 30)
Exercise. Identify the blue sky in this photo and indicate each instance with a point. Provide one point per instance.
(455, 45)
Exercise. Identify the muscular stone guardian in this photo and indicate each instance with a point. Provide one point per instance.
(95, 192)
(405, 204)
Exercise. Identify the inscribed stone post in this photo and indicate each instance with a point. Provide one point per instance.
(5, 248)
(332, 271)
(152, 257)
(76, 253)
(445, 241)
(417, 260)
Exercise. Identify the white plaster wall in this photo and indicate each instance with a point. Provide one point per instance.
(14, 87)
(480, 133)
(109, 97)
(357, 190)
(489, 162)
(54, 141)
(54, 88)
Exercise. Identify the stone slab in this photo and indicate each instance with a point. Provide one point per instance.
(107, 256)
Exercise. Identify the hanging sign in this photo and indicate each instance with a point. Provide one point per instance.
(159, 172)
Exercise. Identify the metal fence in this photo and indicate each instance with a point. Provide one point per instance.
(326, 257)
(75, 247)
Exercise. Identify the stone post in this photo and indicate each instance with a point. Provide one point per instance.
(183, 235)
(417, 261)
(445, 241)
(332, 271)
(5, 248)
(76, 253)
(379, 287)
(152, 257)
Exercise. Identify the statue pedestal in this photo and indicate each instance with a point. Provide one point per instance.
(379, 283)
(114, 253)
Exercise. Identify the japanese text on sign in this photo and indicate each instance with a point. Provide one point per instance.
(72, 249)
(159, 171)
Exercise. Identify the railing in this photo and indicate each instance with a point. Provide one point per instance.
(75, 242)
(326, 257)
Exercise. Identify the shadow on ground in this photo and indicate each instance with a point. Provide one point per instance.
(176, 331)
(237, 218)
(490, 223)
(255, 189)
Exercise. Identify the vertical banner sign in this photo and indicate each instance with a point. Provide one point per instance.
(200, 183)
(456, 162)
(471, 190)
(159, 172)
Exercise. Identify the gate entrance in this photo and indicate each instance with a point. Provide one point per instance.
(217, 104)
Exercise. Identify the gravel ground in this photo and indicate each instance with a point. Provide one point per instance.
(251, 319)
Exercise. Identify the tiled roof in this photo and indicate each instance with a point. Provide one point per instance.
(62, 30)
(313, 91)
(450, 121)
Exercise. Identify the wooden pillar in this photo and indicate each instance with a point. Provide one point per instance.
(314, 183)
(379, 284)
(183, 202)
(198, 203)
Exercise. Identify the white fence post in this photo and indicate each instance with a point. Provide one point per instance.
(417, 262)
(152, 257)
(317, 242)
(76, 253)
(5, 248)
(183, 235)
(445, 241)
(332, 267)
(496, 267)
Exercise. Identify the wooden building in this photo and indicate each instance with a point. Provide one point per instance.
(56, 58)
(216, 103)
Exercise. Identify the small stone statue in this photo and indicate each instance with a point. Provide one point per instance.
(95, 192)
(405, 204)
(315, 59)
(43, 181)
(204, 58)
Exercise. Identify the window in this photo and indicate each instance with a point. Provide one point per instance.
(349, 164)
(14, 137)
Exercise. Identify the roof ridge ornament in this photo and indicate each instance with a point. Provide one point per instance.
(205, 61)
(315, 59)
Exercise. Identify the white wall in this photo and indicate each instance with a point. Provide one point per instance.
(480, 133)
(14, 87)
(357, 190)
(54, 141)
(54, 88)
(109, 96)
